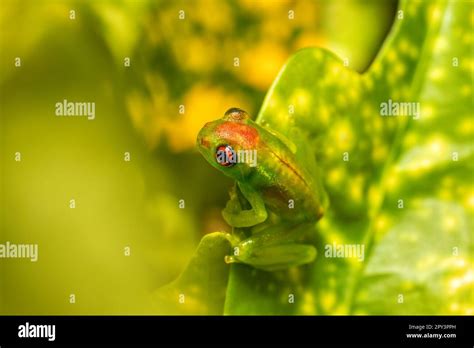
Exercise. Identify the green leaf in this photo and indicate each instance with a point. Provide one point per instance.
(400, 187)
(405, 193)
(413, 270)
(200, 289)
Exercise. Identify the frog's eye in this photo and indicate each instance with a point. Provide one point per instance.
(236, 115)
(225, 155)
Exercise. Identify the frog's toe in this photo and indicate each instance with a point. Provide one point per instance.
(230, 259)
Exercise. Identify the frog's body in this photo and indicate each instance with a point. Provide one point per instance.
(275, 181)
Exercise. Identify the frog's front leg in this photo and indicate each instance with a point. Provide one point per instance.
(275, 248)
(237, 217)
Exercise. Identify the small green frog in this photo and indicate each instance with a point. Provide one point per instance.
(276, 201)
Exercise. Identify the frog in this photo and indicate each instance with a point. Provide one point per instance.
(276, 200)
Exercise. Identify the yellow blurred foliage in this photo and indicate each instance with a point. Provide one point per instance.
(216, 18)
(261, 64)
(198, 53)
(269, 7)
(199, 43)
(202, 104)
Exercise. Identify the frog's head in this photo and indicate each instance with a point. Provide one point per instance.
(230, 144)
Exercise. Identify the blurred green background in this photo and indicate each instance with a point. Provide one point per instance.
(135, 204)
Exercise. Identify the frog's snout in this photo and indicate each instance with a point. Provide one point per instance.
(202, 140)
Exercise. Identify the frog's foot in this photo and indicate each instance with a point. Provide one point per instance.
(244, 218)
(274, 257)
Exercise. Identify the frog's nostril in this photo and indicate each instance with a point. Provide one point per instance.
(204, 142)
